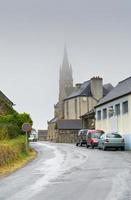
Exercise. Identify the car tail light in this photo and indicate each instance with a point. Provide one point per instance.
(123, 140)
(94, 140)
(106, 141)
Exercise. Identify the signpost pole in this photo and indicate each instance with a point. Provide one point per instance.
(26, 141)
(26, 127)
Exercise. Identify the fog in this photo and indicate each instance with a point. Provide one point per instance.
(32, 38)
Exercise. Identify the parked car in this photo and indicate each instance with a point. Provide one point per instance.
(81, 139)
(111, 140)
(32, 138)
(92, 138)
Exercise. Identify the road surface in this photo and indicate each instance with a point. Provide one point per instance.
(67, 172)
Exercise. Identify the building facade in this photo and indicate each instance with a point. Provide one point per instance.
(113, 113)
(65, 89)
(85, 98)
(65, 85)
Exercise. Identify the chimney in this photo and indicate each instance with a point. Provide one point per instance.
(97, 87)
(78, 86)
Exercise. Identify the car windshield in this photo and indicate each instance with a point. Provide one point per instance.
(96, 134)
(113, 135)
(82, 133)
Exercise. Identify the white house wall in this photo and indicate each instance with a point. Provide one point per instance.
(120, 123)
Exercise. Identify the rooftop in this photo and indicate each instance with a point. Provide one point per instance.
(122, 88)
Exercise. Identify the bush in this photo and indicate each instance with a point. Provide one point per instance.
(10, 125)
(12, 150)
(8, 131)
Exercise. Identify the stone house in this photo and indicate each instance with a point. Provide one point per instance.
(5, 104)
(113, 112)
(82, 101)
(64, 130)
(88, 120)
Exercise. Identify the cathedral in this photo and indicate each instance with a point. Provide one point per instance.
(65, 85)
(75, 107)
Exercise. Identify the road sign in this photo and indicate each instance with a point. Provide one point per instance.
(26, 127)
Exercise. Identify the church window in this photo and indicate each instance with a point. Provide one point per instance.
(76, 107)
(67, 108)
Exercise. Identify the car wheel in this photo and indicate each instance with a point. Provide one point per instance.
(81, 144)
(77, 144)
(122, 148)
(87, 145)
(104, 148)
(92, 146)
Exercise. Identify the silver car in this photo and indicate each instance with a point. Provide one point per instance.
(111, 140)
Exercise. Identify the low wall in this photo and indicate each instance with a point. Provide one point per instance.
(67, 136)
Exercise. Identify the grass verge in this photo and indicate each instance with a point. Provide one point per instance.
(13, 155)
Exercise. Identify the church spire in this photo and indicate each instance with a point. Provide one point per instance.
(65, 65)
(66, 79)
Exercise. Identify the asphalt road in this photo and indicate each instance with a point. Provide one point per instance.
(67, 172)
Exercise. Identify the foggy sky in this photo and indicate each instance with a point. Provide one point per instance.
(32, 37)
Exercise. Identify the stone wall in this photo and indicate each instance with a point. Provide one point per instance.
(67, 136)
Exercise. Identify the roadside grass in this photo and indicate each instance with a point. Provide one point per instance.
(13, 155)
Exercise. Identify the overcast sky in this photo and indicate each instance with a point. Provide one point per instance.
(32, 38)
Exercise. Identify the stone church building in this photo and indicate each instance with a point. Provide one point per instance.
(60, 129)
(73, 103)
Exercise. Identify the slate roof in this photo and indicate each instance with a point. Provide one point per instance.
(3, 96)
(85, 90)
(88, 113)
(55, 119)
(69, 124)
(122, 88)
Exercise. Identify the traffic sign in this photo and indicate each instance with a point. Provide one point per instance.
(26, 127)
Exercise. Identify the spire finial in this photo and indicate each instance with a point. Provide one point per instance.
(65, 59)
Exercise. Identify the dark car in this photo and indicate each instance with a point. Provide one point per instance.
(81, 138)
(92, 138)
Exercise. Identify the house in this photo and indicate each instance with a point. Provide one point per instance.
(88, 120)
(5, 104)
(82, 101)
(61, 130)
(113, 112)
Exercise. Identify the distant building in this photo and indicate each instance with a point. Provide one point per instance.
(65, 89)
(64, 130)
(65, 85)
(74, 102)
(42, 135)
(113, 112)
(81, 103)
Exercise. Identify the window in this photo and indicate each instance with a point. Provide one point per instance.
(104, 113)
(67, 108)
(111, 111)
(113, 135)
(76, 107)
(117, 109)
(125, 107)
(99, 115)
